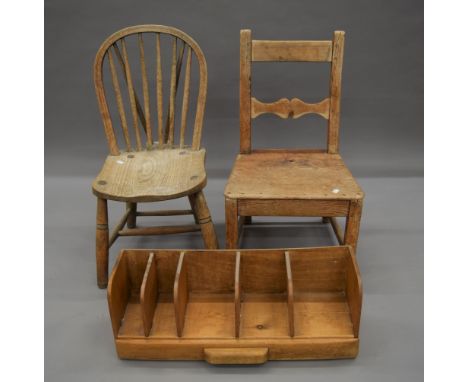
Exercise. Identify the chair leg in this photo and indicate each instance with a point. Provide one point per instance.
(232, 223)
(191, 199)
(353, 222)
(102, 243)
(131, 220)
(204, 219)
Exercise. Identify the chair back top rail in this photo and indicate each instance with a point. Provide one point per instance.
(290, 51)
(308, 51)
(115, 53)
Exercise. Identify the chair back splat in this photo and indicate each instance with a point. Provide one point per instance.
(293, 51)
(126, 56)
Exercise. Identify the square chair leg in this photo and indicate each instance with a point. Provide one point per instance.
(353, 223)
(232, 223)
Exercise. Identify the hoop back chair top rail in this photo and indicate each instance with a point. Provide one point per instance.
(141, 113)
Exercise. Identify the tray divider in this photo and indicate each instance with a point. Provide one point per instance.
(237, 295)
(149, 294)
(290, 293)
(181, 294)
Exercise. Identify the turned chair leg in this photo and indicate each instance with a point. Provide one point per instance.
(102, 243)
(131, 220)
(204, 219)
(191, 199)
(232, 223)
(353, 222)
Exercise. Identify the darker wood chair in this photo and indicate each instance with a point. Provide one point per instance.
(146, 170)
(291, 182)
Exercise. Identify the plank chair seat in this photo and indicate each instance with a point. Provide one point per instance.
(294, 182)
(289, 175)
(151, 176)
(154, 158)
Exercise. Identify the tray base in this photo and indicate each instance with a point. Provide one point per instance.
(278, 349)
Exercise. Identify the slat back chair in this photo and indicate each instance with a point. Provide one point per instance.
(291, 182)
(157, 164)
(290, 51)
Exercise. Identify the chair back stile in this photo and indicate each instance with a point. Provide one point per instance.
(290, 51)
(116, 52)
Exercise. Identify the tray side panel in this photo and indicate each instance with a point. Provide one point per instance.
(211, 272)
(118, 292)
(263, 271)
(354, 292)
(322, 272)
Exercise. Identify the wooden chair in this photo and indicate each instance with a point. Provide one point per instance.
(147, 170)
(291, 182)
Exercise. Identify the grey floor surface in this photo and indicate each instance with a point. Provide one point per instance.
(79, 343)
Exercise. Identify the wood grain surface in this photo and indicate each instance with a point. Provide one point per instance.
(291, 176)
(153, 175)
(295, 303)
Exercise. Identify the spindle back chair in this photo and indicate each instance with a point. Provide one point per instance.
(295, 182)
(183, 46)
(148, 170)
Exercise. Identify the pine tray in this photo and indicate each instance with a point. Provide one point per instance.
(236, 306)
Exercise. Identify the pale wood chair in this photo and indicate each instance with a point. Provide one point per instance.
(148, 170)
(291, 182)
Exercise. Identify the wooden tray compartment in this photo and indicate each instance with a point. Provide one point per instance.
(236, 306)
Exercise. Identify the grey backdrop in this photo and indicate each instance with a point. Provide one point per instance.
(381, 141)
(382, 102)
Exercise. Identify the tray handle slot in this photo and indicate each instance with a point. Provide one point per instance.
(237, 295)
(181, 293)
(118, 292)
(354, 291)
(236, 356)
(149, 294)
(290, 291)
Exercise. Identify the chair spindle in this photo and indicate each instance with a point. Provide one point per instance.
(131, 94)
(144, 78)
(175, 75)
(120, 105)
(185, 102)
(141, 114)
(170, 116)
(159, 91)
